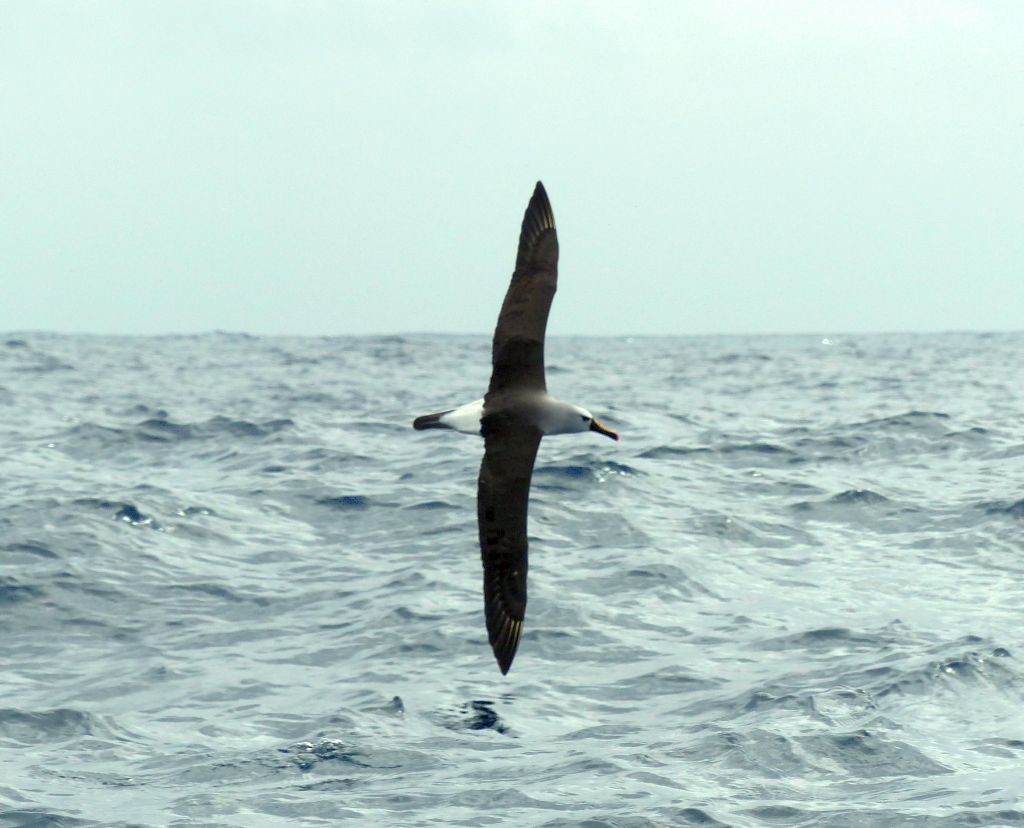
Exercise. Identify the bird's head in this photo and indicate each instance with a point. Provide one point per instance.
(588, 422)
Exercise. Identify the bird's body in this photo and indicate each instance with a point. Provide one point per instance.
(466, 418)
(551, 416)
(512, 418)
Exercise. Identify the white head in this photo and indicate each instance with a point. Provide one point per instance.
(565, 418)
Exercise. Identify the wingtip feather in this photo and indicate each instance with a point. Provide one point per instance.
(505, 643)
(538, 218)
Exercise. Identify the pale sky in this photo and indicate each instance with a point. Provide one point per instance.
(277, 166)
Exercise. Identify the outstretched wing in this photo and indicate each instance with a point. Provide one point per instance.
(518, 351)
(502, 499)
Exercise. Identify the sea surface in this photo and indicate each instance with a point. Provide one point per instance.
(238, 589)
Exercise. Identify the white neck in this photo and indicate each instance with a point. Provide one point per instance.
(557, 417)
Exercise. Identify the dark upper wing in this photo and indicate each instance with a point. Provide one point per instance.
(502, 498)
(518, 354)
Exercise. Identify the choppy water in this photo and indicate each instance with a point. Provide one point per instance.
(236, 588)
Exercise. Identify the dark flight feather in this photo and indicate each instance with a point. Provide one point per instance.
(510, 441)
(518, 351)
(510, 449)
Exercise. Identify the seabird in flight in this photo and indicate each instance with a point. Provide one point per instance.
(512, 418)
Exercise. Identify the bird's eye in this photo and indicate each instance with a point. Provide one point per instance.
(584, 417)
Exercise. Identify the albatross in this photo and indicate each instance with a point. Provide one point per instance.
(513, 416)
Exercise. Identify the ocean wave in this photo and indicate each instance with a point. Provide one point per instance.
(34, 727)
(238, 587)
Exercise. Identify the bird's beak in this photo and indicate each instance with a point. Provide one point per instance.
(600, 428)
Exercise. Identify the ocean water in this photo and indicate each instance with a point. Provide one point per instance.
(236, 587)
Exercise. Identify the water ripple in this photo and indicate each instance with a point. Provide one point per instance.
(238, 588)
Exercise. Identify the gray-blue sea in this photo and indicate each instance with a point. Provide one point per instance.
(237, 588)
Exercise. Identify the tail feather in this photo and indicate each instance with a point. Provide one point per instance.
(431, 420)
